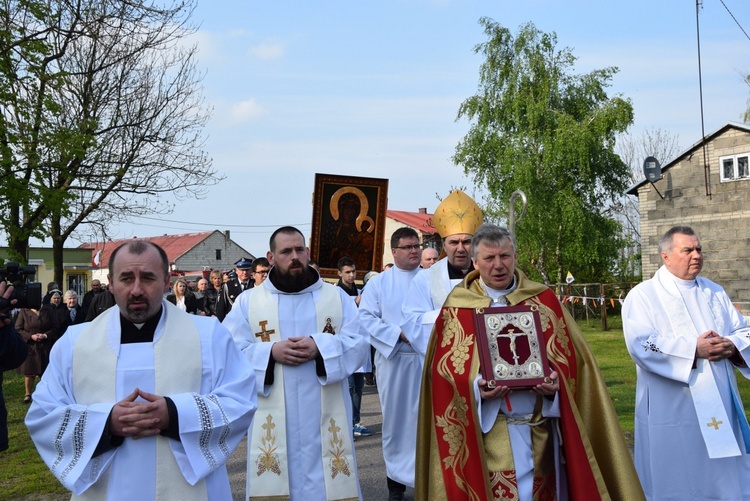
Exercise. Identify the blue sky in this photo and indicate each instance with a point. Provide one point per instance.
(372, 89)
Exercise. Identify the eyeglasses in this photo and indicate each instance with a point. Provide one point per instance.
(409, 247)
(261, 272)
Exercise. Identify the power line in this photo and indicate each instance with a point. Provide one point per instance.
(214, 225)
(735, 19)
(175, 228)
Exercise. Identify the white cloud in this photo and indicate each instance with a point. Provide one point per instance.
(267, 50)
(246, 110)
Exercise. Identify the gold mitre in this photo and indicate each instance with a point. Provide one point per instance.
(457, 213)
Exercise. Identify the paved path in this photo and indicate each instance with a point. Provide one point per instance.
(369, 455)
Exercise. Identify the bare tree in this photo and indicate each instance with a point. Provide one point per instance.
(119, 115)
(633, 150)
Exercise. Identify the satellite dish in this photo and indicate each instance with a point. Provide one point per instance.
(652, 169)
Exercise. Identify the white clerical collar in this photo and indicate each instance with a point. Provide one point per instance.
(497, 295)
(684, 284)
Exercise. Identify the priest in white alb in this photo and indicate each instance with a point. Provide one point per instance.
(302, 336)
(146, 401)
(692, 439)
(398, 365)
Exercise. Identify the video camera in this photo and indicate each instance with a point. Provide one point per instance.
(27, 295)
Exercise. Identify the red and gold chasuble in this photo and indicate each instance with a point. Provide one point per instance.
(456, 461)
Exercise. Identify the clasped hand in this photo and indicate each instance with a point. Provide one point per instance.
(714, 347)
(139, 419)
(488, 393)
(294, 350)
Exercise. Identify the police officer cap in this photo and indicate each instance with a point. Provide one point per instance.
(243, 264)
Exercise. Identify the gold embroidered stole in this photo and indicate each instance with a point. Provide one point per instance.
(268, 462)
(178, 368)
(599, 465)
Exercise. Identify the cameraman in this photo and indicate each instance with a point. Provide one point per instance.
(13, 352)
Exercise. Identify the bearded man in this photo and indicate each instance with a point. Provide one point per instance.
(302, 336)
(146, 401)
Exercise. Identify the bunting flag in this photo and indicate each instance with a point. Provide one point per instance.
(598, 300)
(584, 299)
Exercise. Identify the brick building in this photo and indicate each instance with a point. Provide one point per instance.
(186, 252)
(712, 200)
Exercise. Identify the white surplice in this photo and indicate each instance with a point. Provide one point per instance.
(342, 354)
(671, 455)
(211, 387)
(424, 299)
(399, 369)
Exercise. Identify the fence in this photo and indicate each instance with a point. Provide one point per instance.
(586, 301)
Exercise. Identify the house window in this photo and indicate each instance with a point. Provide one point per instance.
(735, 167)
(218, 254)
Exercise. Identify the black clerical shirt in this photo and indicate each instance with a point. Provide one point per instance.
(288, 284)
(454, 272)
(130, 333)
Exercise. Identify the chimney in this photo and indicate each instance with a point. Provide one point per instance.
(226, 235)
(422, 210)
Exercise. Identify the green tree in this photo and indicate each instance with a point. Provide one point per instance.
(537, 127)
(101, 115)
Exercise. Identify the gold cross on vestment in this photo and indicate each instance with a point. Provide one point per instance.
(268, 426)
(714, 423)
(264, 335)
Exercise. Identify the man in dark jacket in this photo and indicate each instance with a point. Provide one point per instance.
(100, 303)
(96, 289)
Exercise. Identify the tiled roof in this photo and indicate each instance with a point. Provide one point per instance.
(174, 245)
(420, 221)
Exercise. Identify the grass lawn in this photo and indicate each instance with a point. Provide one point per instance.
(618, 369)
(25, 476)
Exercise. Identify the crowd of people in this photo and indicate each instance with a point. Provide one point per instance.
(163, 387)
